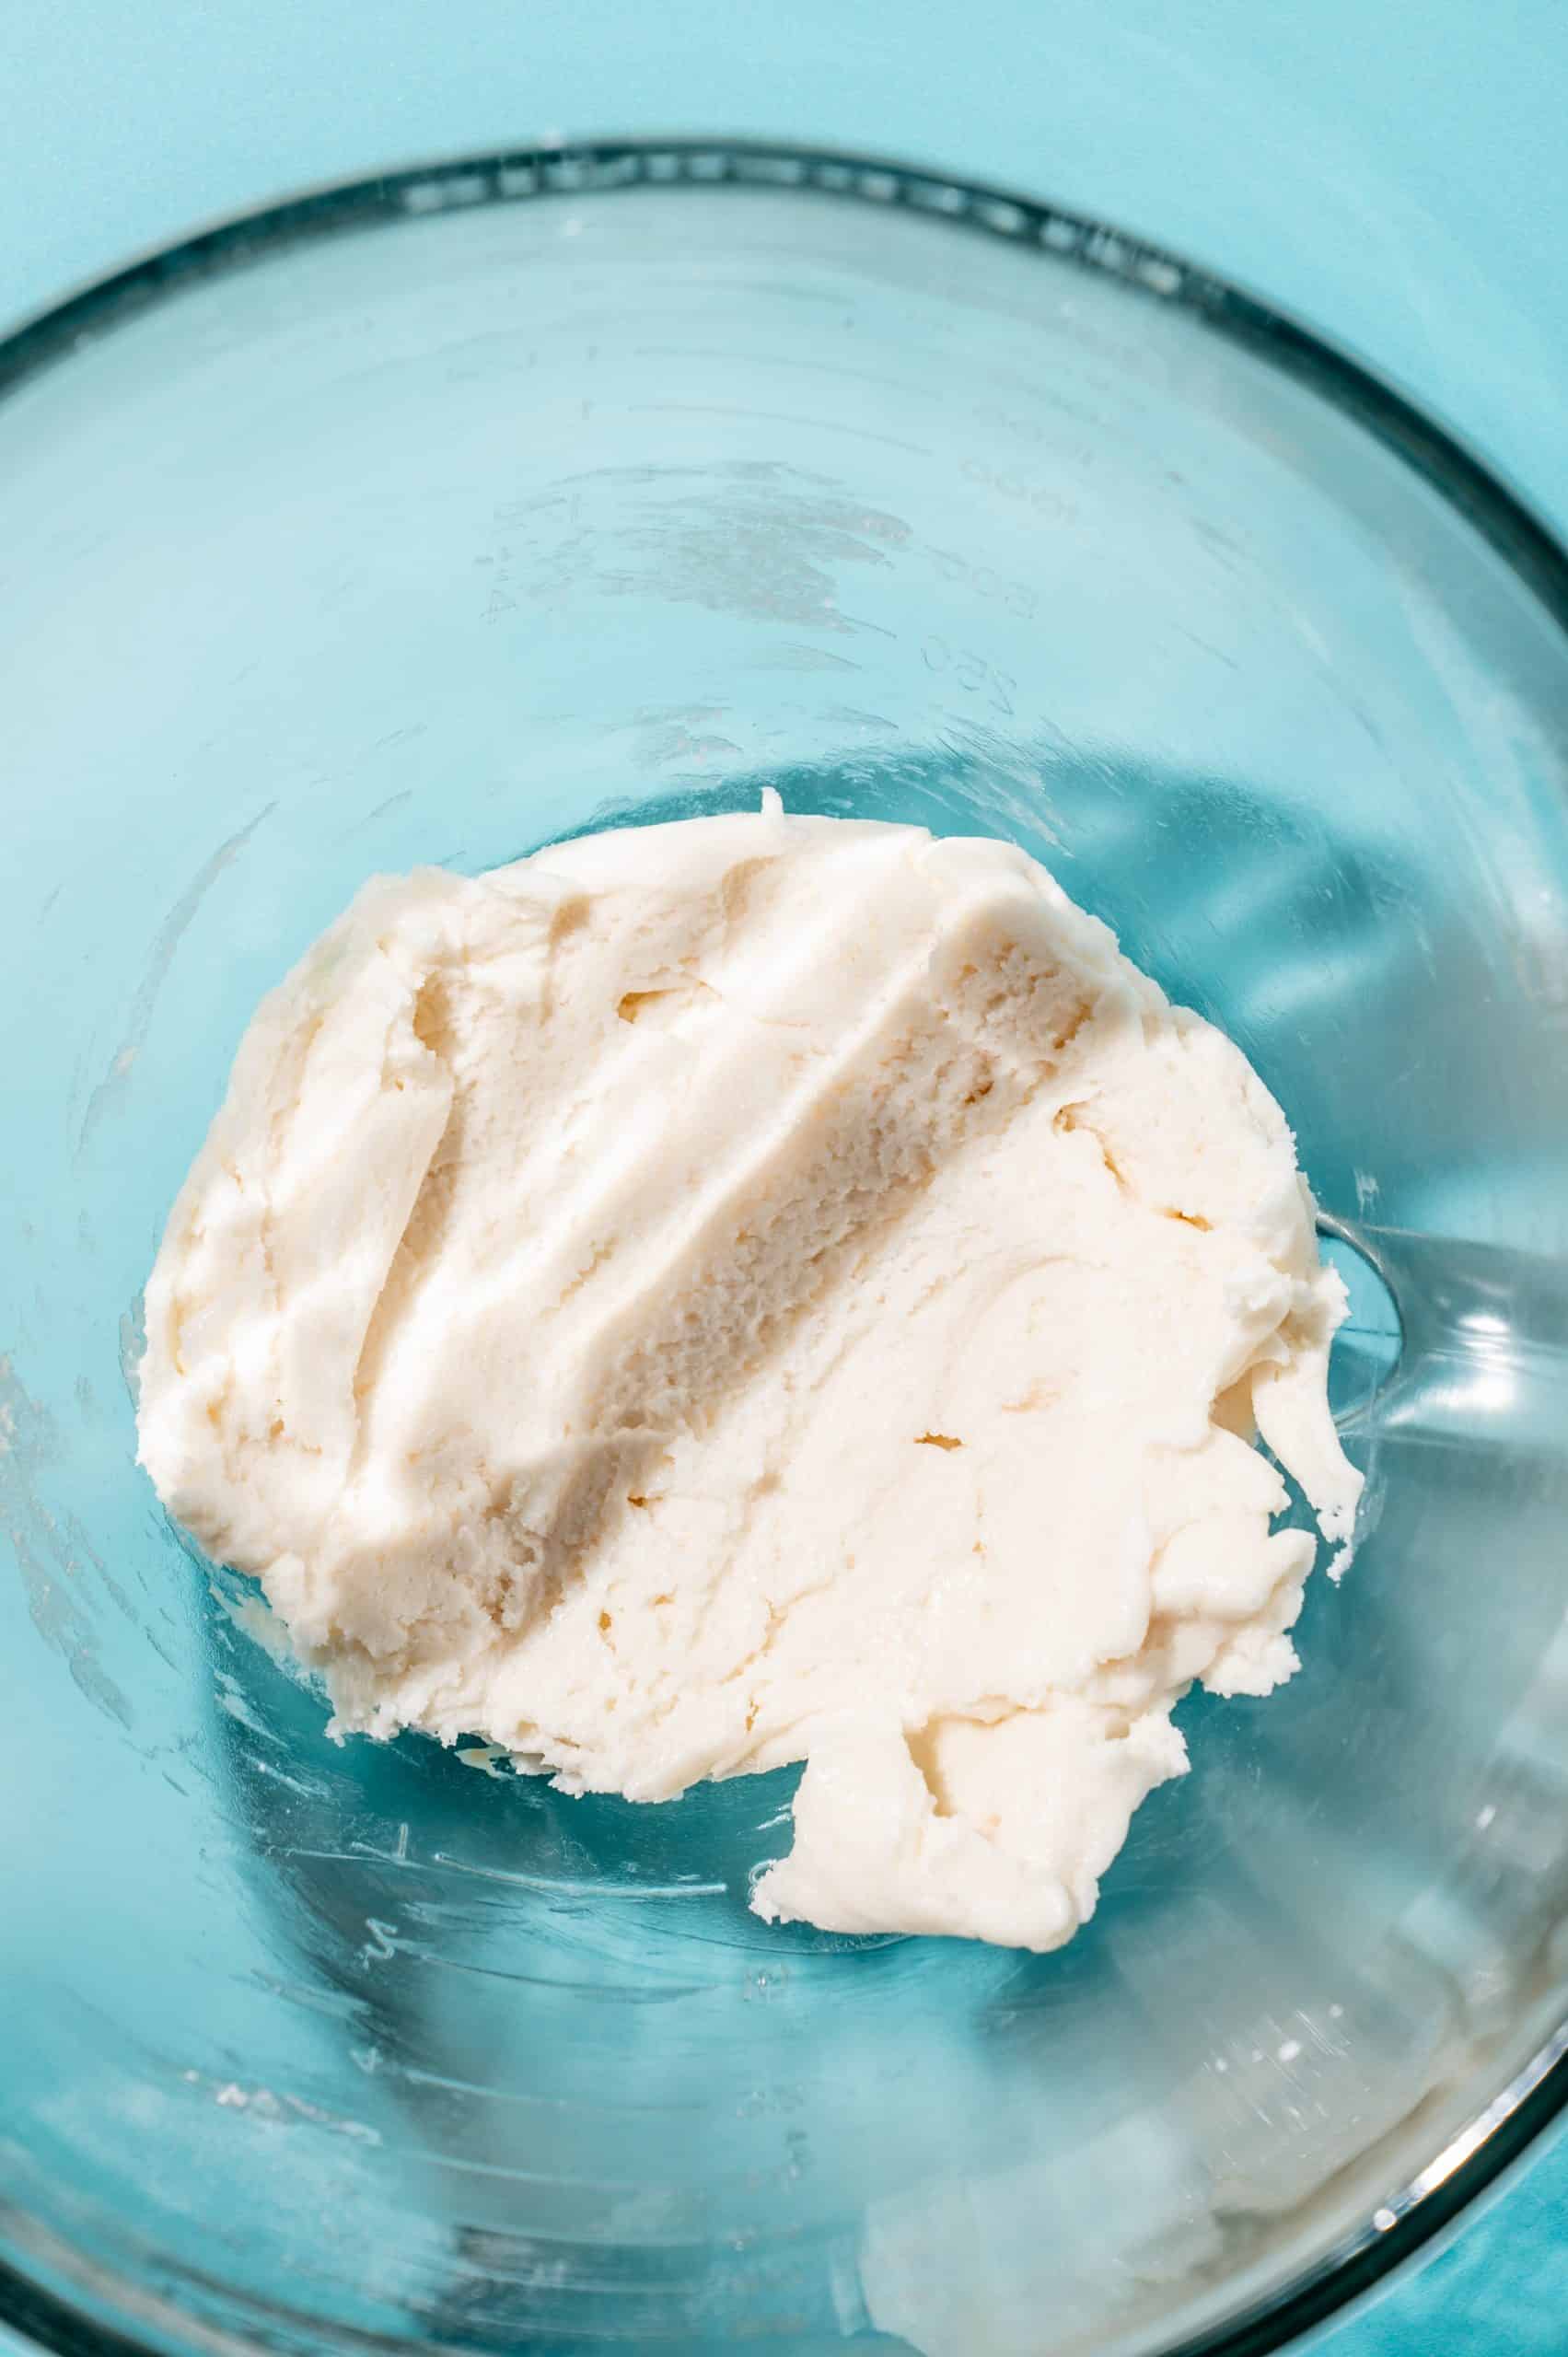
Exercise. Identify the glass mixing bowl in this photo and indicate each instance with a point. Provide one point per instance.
(426, 520)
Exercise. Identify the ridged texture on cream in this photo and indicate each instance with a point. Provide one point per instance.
(755, 1290)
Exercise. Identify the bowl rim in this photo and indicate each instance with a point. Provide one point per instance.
(1488, 2145)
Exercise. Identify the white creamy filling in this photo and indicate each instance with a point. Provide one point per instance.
(755, 1290)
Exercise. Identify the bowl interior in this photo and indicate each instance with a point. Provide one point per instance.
(426, 526)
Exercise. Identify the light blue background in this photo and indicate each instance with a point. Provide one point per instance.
(1394, 170)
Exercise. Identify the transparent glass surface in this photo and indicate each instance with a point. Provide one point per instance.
(429, 522)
